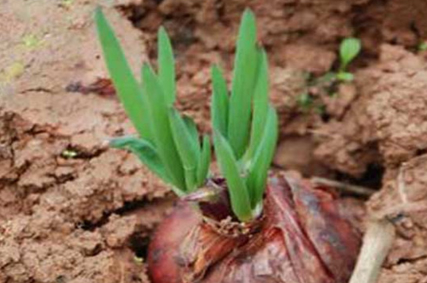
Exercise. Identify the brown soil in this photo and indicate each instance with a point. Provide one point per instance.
(73, 210)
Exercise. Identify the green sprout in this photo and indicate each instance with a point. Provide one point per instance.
(422, 46)
(245, 126)
(305, 101)
(13, 71)
(69, 153)
(349, 49)
(67, 3)
(31, 41)
(328, 83)
(138, 260)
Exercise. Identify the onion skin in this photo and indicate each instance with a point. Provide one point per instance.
(300, 239)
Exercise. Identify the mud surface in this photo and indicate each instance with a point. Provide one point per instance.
(73, 210)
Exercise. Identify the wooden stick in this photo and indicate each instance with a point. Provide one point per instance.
(377, 242)
(343, 186)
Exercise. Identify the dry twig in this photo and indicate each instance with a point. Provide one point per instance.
(358, 190)
(377, 242)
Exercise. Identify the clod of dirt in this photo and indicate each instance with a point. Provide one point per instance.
(337, 104)
(403, 200)
(401, 15)
(296, 153)
(309, 58)
(397, 106)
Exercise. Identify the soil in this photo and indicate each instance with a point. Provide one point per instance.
(74, 210)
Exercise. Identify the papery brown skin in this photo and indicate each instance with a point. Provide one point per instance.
(302, 239)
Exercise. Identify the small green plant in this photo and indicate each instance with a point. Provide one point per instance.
(422, 46)
(328, 83)
(138, 260)
(244, 124)
(349, 49)
(305, 101)
(66, 3)
(31, 41)
(69, 153)
(11, 72)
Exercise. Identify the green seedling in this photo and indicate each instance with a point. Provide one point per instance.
(12, 72)
(349, 49)
(422, 46)
(327, 84)
(244, 124)
(31, 41)
(138, 260)
(69, 153)
(67, 3)
(305, 100)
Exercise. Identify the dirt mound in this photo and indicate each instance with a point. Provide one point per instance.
(65, 197)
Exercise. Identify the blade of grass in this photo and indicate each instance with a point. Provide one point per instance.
(124, 81)
(166, 65)
(161, 125)
(258, 172)
(260, 107)
(186, 149)
(220, 101)
(147, 154)
(204, 162)
(244, 79)
(240, 202)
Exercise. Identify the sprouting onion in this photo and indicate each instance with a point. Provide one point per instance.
(301, 235)
(244, 124)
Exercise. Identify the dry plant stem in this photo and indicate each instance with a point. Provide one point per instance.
(376, 245)
(363, 191)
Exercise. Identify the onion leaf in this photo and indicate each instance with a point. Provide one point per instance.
(186, 148)
(240, 202)
(258, 172)
(192, 129)
(220, 101)
(166, 66)
(123, 79)
(260, 107)
(146, 153)
(204, 162)
(244, 80)
(161, 126)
